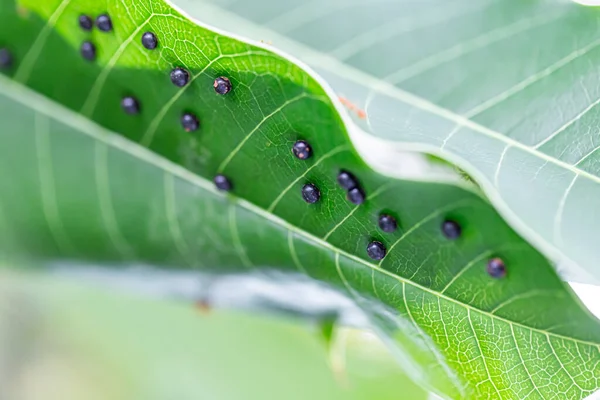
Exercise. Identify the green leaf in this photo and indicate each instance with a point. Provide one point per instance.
(67, 335)
(505, 89)
(95, 196)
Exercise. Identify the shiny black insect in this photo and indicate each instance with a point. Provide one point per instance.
(104, 23)
(88, 51)
(302, 149)
(376, 250)
(5, 58)
(451, 229)
(310, 193)
(149, 40)
(347, 180)
(387, 223)
(496, 268)
(222, 183)
(130, 105)
(356, 196)
(85, 22)
(222, 85)
(189, 122)
(180, 77)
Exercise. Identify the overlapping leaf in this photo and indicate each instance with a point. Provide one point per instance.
(506, 89)
(73, 190)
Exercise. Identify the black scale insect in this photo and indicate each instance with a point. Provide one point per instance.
(376, 250)
(451, 229)
(130, 105)
(302, 150)
(104, 23)
(189, 122)
(88, 51)
(180, 77)
(310, 193)
(496, 268)
(85, 22)
(222, 85)
(222, 183)
(149, 40)
(387, 223)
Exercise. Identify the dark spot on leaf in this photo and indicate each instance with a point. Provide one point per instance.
(376, 250)
(5, 58)
(189, 122)
(149, 40)
(88, 51)
(347, 180)
(180, 77)
(496, 268)
(85, 22)
(130, 105)
(222, 183)
(451, 229)
(356, 196)
(387, 223)
(104, 23)
(302, 150)
(222, 85)
(310, 193)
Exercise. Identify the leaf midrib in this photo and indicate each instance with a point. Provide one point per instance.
(85, 126)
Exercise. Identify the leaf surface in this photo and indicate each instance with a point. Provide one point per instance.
(505, 89)
(92, 195)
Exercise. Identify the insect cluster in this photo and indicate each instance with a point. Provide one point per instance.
(301, 149)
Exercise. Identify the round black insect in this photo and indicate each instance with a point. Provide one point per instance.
(347, 180)
(189, 122)
(222, 85)
(387, 223)
(85, 22)
(310, 193)
(104, 23)
(356, 196)
(5, 58)
(130, 105)
(376, 250)
(180, 77)
(302, 150)
(451, 229)
(149, 40)
(88, 51)
(222, 183)
(496, 268)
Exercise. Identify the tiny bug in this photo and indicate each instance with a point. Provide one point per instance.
(88, 51)
(85, 22)
(376, 250)
(104, 23)
(222, 85)
(149, 40)
(5, 58)
(451, 229)
(310, 193)
(222, 183)
(387, 223)
(180, 77)
(189, 122)
(356, 196)
(496, 268)
(130, 105)
(347, 180)
(302, 150)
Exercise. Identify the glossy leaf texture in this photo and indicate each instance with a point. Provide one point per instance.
(72, 190)
(506, 89)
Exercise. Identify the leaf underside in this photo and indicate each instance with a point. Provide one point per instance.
(504, 88)
(91, 195)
